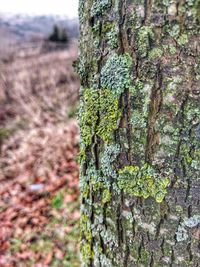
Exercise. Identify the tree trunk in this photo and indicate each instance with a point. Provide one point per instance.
(140, 132)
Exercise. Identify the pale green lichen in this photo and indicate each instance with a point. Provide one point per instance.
(193, 221)
(140, 94)
(183, 39)
(81, 10)
(101, 259)
(115, 74)
(166, 2)
(172, 49)
(143, 182)
(155, 53)
(174, 30)
(112, 38)
(99, 7)
(108, 236)
(143, 40)
(108, 156)
(137, 86)
(80, 67)
(182, 233)
(95, 181)
(96, 28)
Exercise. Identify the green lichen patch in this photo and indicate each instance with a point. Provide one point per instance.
(109, 114)
(144, 37)
(112, 38)
(107, 26)
(172, 49)
(88, 115)
(85, 232)
(137, 86)
(99, 7)
(115, 74)
(99, 114)
(106, 196)
(174, 30)
(81, 10)
(108, 156)
(84, 187)
(86, 252)
(97, 181)
(143, 182)
(155, 53)
(183, 39)
(96, 28)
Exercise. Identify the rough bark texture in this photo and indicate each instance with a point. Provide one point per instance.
(140, 132)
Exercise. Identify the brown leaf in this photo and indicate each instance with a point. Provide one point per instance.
(48, 258)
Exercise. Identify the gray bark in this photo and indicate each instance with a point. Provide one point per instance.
(140, 133)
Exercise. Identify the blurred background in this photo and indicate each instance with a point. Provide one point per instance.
(39, 137)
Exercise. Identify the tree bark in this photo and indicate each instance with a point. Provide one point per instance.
(140, 132)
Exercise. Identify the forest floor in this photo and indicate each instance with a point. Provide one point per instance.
(39, 195)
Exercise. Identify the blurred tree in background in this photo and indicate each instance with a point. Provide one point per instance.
(59, 35)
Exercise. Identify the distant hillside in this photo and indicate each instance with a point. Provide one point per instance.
(17, 28)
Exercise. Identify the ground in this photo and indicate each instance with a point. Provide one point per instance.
(39, 137)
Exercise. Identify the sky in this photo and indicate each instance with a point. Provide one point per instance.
(40, 7)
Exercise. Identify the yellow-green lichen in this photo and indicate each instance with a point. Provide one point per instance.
(106, 196)
(85, 189)
(85, 232)
(106, 27)
(88, 113)
(115, 74)
(143, 182)
(99, 114)
(86, 237)
(109, 114)
(86, 252)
